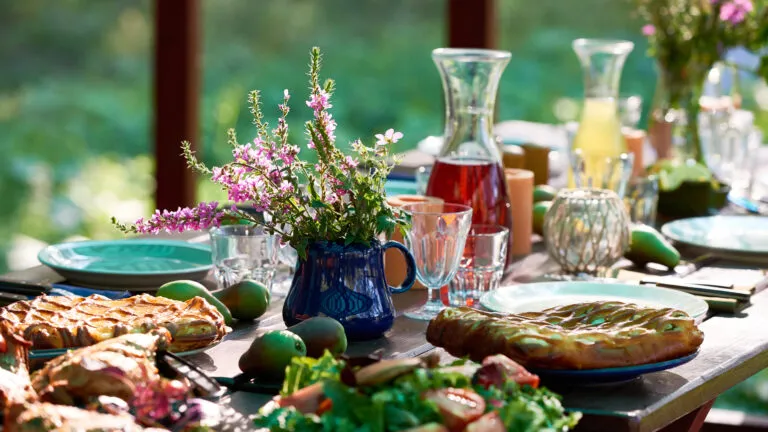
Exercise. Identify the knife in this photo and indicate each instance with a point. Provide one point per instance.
(24, 288)
(698, 289)
(747, 204)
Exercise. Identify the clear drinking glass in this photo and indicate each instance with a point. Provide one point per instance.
(436, 239)
(422, 178)
(482, 265)
(613, 173)
(244, 252)
(630, 110)
(642, 199)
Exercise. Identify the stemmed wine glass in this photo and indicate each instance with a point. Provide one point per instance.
(436, 240)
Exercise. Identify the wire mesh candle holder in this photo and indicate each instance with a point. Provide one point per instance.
(586, 231)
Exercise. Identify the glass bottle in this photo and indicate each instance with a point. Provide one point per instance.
(599, 135)
(468, 170)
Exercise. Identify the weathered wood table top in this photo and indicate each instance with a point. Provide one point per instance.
(735, 347)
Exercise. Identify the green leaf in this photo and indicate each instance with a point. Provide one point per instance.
(318, 204)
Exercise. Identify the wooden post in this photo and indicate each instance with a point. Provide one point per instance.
(472, 23)
(176, 98)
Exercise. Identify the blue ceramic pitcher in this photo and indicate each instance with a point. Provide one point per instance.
(346, 283)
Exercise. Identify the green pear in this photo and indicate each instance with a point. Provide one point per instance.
(648, 245)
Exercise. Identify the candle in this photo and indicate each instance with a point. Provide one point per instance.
(635, 139)
(520, 190)
(513, 156)
(394, 262)
(537, 160)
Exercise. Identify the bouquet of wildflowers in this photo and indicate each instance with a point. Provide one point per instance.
(339, 199)
(687, 37)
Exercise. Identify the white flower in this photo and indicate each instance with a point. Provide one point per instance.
(389, 137)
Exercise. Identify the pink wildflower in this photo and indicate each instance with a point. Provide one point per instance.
(204, 216)
(649, 30)
(735, 11)
(349, 163)
(319, 101)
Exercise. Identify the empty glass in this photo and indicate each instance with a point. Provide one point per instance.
(610, 173)
(630, 110)
(482, 265)
(244, 252)
(436, 239)
(642, 199)
(422, 178)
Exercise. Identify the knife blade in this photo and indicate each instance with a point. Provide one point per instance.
(698, 289)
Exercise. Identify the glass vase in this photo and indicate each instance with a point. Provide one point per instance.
(599, 134)
(469, 170)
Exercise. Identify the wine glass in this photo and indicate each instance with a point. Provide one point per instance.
(436, 240)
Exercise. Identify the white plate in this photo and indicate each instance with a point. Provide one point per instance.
(536, 297)
(734, 234)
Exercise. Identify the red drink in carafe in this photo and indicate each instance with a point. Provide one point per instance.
(478, 183)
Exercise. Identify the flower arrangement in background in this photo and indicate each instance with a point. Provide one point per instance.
(687, 37)
(340, 199)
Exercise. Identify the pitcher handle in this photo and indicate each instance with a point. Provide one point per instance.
(410, 273)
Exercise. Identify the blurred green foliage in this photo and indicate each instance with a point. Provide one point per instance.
(75, 91)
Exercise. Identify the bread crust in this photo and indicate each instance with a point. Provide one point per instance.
(574, 337)
(53, 322)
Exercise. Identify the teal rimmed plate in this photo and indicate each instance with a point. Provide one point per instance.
(535, 297)
(134, 265)
(728, 234)
(607, 375)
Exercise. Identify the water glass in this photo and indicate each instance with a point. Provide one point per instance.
(586, 230)
(610, 173)
(422, 178)
(436, 240)
(244, 252)
(482, 265)
(642, 199)
(630, 110)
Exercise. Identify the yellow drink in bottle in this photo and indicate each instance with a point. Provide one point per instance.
(599, 139)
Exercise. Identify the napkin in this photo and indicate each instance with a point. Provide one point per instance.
(70, 291)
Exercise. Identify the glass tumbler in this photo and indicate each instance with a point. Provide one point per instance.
(642, 199)
(586, 231)
(244, 252)
(482, 265)
(611, 173)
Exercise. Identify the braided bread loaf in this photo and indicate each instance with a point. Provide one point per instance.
(579, 336)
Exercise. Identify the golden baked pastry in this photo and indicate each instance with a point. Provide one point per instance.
(50, 322)
(578, 336)
(42, 417)
(114, 367)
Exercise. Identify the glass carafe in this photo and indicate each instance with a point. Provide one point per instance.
(599, 135)
(468, 170)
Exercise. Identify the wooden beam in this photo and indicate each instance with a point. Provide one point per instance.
(472, 23)
(176, 98)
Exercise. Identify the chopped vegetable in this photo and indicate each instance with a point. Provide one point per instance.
(323, 395)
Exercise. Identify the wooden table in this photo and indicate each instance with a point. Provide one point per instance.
(735, 347)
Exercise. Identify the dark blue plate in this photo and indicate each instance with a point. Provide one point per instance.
(609, 375)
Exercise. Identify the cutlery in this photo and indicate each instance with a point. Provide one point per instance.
(699, 289)
(206, 386)
(695, 265)
(745, 203)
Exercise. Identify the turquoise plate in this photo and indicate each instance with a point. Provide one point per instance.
(729, 234)
(608, 375)
(535, 297)
(134, 265)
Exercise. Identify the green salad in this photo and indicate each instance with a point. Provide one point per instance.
(327, 394)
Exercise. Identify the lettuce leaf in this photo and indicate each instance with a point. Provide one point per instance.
(305, 371)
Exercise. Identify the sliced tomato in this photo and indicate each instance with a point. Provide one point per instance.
(458, 407)
(499, 368)
(306, 400)
(325, 405)
(490, 422)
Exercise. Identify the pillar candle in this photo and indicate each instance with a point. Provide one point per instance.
(635, 140)
(513, 156)
(537, 160)
(520, 190)
(394, 262)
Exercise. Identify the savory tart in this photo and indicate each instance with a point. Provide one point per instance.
(579, 336)
(51, 322)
